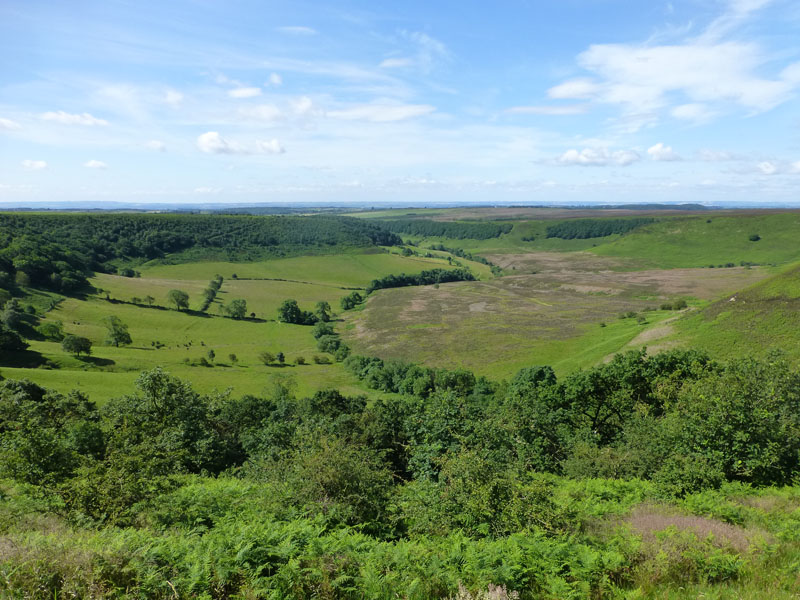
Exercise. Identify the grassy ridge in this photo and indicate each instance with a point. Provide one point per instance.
(751, 322)
(710, 240)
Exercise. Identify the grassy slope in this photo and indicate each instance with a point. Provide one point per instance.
(672, 242)
(760, 318)
(694, 242)
(111, 371)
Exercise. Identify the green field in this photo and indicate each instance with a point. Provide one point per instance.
(170, 338)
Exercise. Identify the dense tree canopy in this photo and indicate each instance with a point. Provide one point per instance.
(451, 229)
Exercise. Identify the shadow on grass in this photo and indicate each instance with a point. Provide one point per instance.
(96, 361)
(27, 359)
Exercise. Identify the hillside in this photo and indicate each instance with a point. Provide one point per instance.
(751, 322)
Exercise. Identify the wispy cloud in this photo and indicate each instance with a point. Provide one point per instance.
(598, 157)
(396, 63)
(663, 153)
(297, 30)
(95, 164)
(553, 111)
(9, 125)
(156, 145)
(699, 72)
(212, 142)
(382, 112)
(34, 165)
(65, 118)
(245, 92)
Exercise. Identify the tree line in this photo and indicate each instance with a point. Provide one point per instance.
(594, 228)
(59, 251)
(451, 229)
(429, 277)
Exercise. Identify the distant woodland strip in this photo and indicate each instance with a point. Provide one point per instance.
(59, 251)
(582, 229)
(449, 229)
(429, 277)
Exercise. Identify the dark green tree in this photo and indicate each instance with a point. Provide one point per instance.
(237, 308)
(179, 299)
(117, 332)
(323, 311)
(77, 345)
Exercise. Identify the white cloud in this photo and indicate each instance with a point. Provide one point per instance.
(269, 147)
(173, 98)
(767, 168)
(575, 89)
(34, 165)
(598, 157)
(795, 167)
(662, 152)
(245, 92)
(429, 49)
(717, 156)
(275, 80)
(302, 105)
(72, 119)
(691, 73)
(395, 63)
(694, 111)
(381, 113)
(573, 109)
(9, 125)
(212, 142)
(297, 30)
(95, 164)
(263, 112)
(157, 145)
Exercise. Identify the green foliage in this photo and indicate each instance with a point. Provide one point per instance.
(290, 312)
(236, 309)
(45, 436)
(595, 228)
(10, 341)
(117, 332)
(77, 345)
(433, 276)
(449, 229)
(179, 299)
(350, 301)
(58, 250)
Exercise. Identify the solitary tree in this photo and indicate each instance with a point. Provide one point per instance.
(77, 345)
(179, 299)
(266, 357)
(237, 308)
(323, 311)
(281, 358)
(149, 300)
(117, 332)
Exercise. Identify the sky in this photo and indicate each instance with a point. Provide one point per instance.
(413, 102)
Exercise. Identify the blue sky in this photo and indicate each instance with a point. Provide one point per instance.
(402, 102)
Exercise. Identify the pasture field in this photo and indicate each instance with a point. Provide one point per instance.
(178, 340)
